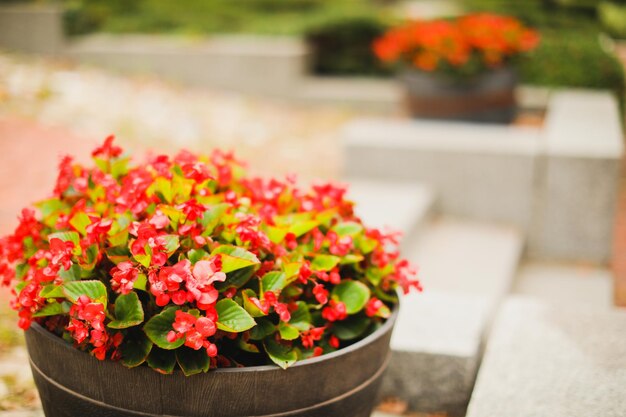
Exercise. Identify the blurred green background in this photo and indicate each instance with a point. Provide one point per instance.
(576, 47)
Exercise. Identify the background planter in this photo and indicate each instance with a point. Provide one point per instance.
(344, 383)
(487, 97)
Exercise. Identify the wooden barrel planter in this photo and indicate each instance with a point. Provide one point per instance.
(488, 97)
(343, 383)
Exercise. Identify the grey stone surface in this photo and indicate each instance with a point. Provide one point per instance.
(366, 94)
(466, 268)
(267, 65)
(552, 361)
(467, 164)
(584, 286)
(577, 185)
(392, 205)
(33, 28)
(557, 183)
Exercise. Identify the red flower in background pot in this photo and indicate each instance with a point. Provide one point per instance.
(469, 44)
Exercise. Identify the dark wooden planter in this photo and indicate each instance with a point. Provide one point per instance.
(488, 97)
(343, 383)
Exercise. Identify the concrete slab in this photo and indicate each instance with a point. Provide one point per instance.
(32, 28)
(466, 268)
(368, 94)
(260, 65)
(468, 164)
(546, 360)
(584, 286)
(395, 206)
(558, 182)
(578, 177)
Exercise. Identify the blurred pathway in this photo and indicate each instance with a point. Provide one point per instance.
(619, 244)
(29, 154)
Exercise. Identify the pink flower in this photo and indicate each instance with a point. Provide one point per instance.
(123, 277)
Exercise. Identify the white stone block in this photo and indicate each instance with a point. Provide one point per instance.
(552, 361)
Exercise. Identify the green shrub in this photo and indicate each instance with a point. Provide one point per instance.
(344, 46)
(539, 13)
(575, 60)
(613, 18)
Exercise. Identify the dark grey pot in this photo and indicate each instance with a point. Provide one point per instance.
(488, 97)
(343, 383)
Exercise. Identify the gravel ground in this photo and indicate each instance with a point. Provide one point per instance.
(275, 137)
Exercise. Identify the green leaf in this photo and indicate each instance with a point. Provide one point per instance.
(52, 291)
(92, 289)
(273, 281)
(91, 255)
(293, 218)
(141, 282)
(292, 271)
(247, 347)
(21, 270)
(366, 244)
(159, 326)
(73, 274)
(301, 228)
(351, 259)
(276, 234)
(263, 328)
(232, 317)
(80, 221)
(196, 255)
(236, 278)
(119, 167)
(234, 258)
(163, 188)
(173, 213)
(325, 217)
(50, 206)
(351, 328)
(52, 309)
(192, 361)
(161, 360)
(288, 332)
(324, 262)
(374, 276)
(135, 349)
(353, 294)
(117, 254)
(171, 243)
(145, 260)
(281, 355)
(301, 318)
(118, 239)
(212, 217)
(249, 306)
(128, 311)
(348, 229)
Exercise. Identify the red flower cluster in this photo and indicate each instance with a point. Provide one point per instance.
(480, 40)
(195, 331)
(176, 255)
(87, 323)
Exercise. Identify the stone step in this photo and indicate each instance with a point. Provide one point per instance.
(404, 207)
(547, 360)
(557, 182)
(466, 269)
(585, 286)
